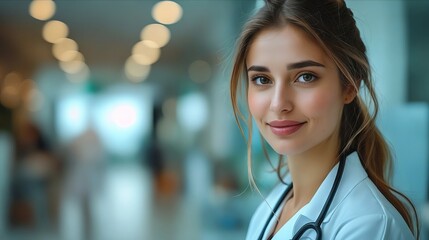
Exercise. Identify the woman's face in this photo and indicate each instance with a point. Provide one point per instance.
(294, 94)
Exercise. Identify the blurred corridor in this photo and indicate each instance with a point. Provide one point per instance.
(116, 124)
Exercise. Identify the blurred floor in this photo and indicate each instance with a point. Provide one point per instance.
(126, 208)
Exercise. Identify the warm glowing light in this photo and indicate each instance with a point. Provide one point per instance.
(65, 49)
(55, 30)
(156, 33)
(144, 53)
(78, 57)
(72, 55)
(42, 9)
(67, 56)
(167, 12)
(72, 67)
(200, 71)
(136, 72)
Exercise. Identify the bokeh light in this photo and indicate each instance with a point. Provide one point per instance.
(156, 33)
(65, 49)
(42, 9)
(136, 72)
(55, 30)
(145, 53)
(167, 12)
(72, 67)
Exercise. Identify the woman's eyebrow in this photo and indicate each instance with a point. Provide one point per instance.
(258, 69)
(307, 63)
(291, 66)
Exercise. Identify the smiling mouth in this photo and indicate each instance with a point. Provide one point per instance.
(285, 128)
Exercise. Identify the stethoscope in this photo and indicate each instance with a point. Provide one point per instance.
(311, 225)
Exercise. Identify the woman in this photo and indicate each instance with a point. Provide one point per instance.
(302, 63)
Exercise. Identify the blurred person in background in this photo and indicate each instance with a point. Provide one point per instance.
(165, 184)
(83, 180)
(303, 64)
(34, 193)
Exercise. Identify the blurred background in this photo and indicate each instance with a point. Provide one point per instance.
(115, 119)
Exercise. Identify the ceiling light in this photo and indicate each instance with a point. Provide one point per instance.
(136, 72)
(156, 33)
(42, 9)
(65, 49)
(55, 30)
(167, 12)
(77, 56)
(72, 67)
(144, 53)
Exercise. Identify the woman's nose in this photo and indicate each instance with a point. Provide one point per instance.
(281, 100)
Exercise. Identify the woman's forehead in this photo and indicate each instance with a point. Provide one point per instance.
(288, 43)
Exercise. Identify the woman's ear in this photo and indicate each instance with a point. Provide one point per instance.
(349, 94)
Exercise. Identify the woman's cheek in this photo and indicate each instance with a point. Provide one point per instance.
(319, 103)
(254, 104)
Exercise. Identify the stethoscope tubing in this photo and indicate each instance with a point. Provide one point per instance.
(316, 226)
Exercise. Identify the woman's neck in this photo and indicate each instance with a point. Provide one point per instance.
(309, 169)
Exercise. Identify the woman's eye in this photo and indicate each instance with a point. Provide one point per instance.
(260, 80)
(306, 78)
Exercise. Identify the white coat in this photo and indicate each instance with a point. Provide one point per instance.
(358, 210)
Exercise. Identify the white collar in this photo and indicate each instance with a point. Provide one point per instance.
(353, 174)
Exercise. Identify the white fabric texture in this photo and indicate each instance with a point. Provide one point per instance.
(358, 211)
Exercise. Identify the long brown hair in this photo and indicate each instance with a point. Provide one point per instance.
(333, 26)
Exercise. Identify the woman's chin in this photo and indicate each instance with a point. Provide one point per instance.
(286, 150)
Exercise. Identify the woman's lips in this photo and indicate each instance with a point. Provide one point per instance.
(285, 127)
